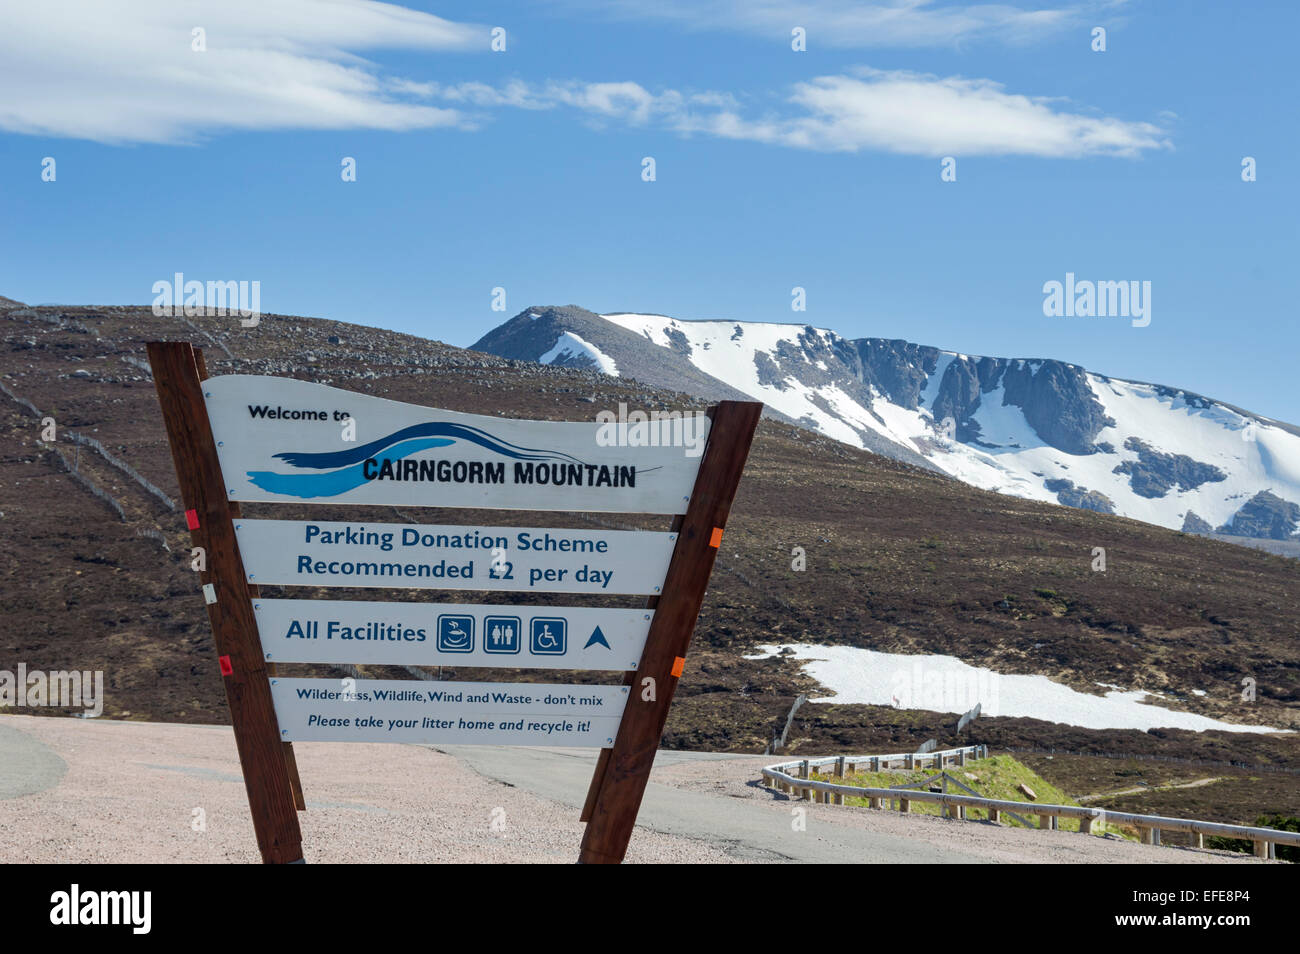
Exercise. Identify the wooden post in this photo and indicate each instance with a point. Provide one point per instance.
(837, 798)
(1085, 825)
(1198, 839)
(903, 805)
(620, 786)
(995, 814)
(271, 798)
(291, 761)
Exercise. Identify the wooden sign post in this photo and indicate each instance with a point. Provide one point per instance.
(279, 440)
(620, 779)
(178, 374)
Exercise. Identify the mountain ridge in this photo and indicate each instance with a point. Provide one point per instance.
(1039, 428)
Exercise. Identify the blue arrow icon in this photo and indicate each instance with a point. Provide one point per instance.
(597, 637)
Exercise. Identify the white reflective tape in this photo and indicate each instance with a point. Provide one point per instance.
(209, 593)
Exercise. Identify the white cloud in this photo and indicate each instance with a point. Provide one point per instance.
(861, 23)
(869, 110)
(126, 72)
(925, 115)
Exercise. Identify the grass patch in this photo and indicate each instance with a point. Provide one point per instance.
(999, 776)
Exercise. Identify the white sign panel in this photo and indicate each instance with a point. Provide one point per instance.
(428, 556)
(475, 713)
(366, 632)
(280, 439)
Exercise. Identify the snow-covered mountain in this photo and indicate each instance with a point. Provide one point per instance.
(1039, 429)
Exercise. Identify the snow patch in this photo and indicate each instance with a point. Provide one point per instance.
(946, 684)
(570, 345)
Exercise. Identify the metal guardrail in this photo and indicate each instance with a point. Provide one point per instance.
(1149, 826)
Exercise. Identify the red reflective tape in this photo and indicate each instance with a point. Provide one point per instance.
(192, 519)
(715, 541)
(226, 668)
(678, 665)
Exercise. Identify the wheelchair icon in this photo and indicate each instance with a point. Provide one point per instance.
(549, 635)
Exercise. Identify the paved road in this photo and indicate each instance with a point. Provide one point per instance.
(29, 765)
(748, 829)
(82, 791)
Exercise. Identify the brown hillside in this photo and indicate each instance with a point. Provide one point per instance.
(897, 559)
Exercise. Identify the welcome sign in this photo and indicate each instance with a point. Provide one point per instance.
(257, 439)
(280, 439)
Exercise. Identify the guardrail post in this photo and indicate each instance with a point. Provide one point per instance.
(1263, 849)
(961, 757)
(909, 762)
(995, 814)
(1045, 821)
(1085, 825)
(1144, 836)
(875, 801)
(1198, 839)
(875, 763)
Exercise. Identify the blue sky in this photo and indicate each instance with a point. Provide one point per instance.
(774, 168)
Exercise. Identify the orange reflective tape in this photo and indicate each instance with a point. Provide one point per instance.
(715, 541)
(678, 664)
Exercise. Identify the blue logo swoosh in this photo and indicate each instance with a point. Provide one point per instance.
(465, 432)
(338, 481)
